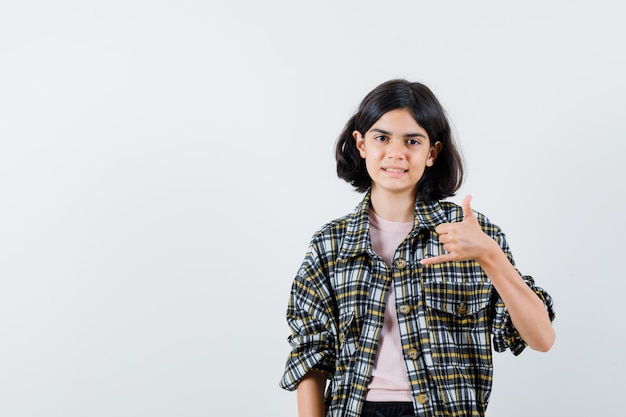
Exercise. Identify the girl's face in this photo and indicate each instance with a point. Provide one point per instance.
(396, 150)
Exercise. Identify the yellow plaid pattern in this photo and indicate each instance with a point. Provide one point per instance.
(448, 314)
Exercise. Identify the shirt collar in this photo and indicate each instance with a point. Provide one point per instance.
(428, 215)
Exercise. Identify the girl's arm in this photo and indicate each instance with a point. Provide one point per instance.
(465, 241)
(311, 394)
(527, 311)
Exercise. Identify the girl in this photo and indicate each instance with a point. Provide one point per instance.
(398, 303)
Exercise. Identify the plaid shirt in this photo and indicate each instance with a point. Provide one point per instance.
(448, 315)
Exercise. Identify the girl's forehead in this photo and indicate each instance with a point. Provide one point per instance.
(400, 118)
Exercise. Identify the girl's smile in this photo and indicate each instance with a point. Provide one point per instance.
(393, 170)
(397, 150)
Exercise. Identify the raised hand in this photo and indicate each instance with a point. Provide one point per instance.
(466, 240)
(462, 241)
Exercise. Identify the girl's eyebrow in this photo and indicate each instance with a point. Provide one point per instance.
(408, 135)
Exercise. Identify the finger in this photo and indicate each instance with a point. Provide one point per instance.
(449, 247)
(444, 238)
(436, 259)
(443, 228)
(467, 208)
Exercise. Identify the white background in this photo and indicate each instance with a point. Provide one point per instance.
(163, 165)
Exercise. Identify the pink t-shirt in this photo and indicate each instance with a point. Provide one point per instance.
(389, 381)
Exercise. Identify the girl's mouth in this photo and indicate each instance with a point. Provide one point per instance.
(395, 170)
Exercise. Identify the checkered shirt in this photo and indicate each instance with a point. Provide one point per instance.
(448, 314)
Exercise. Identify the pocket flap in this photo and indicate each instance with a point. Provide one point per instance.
(458, 299)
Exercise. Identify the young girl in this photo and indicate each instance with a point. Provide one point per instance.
(398, 303)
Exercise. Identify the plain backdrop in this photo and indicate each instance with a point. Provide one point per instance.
(163, 165)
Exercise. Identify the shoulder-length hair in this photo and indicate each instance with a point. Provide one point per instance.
(441, 180)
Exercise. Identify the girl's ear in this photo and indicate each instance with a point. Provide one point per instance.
(434, 152)
(360, 142)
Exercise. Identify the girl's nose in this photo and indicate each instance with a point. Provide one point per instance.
(395, 149)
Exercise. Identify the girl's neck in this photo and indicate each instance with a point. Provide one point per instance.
(395, 207)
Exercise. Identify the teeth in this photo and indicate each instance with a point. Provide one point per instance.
(394, 170)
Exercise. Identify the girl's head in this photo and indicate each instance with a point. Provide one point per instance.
(440, 180)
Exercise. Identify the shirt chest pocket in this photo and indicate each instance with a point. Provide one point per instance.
(458, 316)
(347, 333)
(460, 301)
(347, 337)
(460, 293)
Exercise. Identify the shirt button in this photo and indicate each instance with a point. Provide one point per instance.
(412, 353)
(462, 308)
(404, 309)
(400, 263)
(423, 398)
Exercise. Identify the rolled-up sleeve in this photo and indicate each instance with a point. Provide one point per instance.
(308, 316)
(505, 335)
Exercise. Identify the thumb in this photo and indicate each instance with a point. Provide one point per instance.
(467, 208)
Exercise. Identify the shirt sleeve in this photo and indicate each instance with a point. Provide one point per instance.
(505, 335)
(309, 317)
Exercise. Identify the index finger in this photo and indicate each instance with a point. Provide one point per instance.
(437, 259)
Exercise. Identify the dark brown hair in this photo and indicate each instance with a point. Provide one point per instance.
(441, 180)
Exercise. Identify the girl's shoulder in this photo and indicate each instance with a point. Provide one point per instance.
(336, 227)
(354, 223)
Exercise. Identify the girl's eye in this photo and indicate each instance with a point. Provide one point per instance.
(413, 142)
(380, 138)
